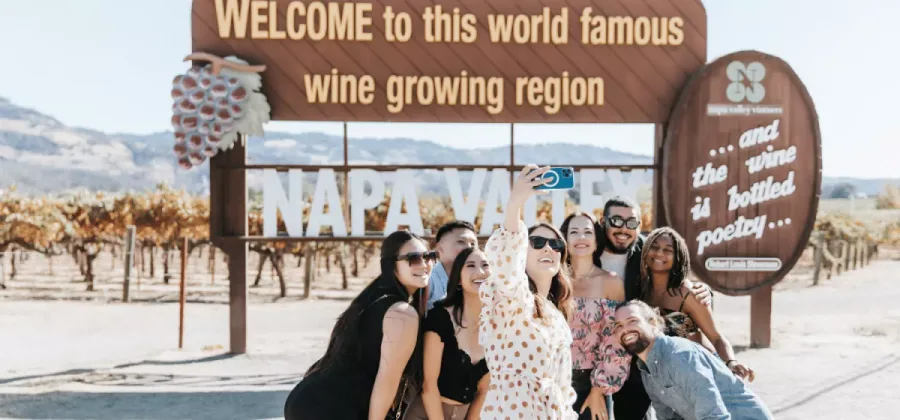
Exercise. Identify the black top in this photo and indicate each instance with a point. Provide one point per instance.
(458, 379)
(345, 391)
(678, 323)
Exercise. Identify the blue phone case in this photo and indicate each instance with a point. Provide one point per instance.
(563, 179)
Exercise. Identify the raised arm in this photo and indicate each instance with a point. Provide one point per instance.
(694, 376)
(507, 248)
(400, 332)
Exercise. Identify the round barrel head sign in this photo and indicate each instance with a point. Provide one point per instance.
(742, 169)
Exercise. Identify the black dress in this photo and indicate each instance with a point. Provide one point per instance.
(344, 391)
(459, 377)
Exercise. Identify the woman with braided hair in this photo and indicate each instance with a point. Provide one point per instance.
(665, 265)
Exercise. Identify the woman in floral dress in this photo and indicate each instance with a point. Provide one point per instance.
(524, 321)
(600, 364)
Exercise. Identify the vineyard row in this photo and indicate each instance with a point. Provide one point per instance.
(83, 225)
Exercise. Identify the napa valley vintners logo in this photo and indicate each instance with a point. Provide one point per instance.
(745, 82)
(745, 90)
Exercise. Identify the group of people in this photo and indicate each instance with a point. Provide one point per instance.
(586, 321)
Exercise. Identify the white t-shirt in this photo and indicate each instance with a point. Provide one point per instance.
(615, 263)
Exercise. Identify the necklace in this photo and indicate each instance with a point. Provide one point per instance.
(588, 275)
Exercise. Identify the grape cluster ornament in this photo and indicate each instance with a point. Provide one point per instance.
(213, 104)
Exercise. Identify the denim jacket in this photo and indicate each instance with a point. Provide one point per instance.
(684, 381)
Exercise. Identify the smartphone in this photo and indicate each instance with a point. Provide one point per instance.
(561, 178)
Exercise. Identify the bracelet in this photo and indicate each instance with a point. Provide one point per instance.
(729, 362)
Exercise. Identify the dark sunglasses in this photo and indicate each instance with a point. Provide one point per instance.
(417, 257)
(618, 222)
(539, 242)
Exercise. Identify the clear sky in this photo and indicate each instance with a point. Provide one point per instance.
(108, 65)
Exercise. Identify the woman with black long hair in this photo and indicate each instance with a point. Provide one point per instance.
(454, 367)
(374, 356)
(665, 266)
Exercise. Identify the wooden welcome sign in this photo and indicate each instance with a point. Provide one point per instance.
(738, 172)
(742, 172)
(588, 61)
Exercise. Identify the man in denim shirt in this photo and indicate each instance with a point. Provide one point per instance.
(683, 380)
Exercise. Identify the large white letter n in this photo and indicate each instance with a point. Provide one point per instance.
(291, 205)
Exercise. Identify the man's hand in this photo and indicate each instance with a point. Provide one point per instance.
(742, 371)
(703, 293)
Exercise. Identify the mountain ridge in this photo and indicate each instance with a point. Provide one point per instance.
(41, 155)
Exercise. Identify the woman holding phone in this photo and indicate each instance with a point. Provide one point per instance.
(454, 367)
(524, 326)
(374, 356)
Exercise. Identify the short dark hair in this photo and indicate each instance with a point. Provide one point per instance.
(620, 201)
(451, 226)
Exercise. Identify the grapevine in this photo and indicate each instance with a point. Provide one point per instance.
(85, 224)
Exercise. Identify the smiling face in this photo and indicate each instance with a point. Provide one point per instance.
(413, 273)
(474, 272)
(580, 237)
(620, 238)
(635, 331)
(542, 263)
(453, 242)
(661, 254)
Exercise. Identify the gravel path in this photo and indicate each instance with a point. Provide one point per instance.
(835, 354)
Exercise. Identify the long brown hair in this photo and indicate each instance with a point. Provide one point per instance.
(681, 267)
(561, 286)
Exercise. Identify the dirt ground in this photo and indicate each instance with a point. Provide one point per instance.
(70, 354)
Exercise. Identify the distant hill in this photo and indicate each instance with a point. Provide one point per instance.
(869, 187)
(40, 155)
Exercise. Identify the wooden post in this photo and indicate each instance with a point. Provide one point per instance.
(228, 218)
(842, 257)
(761, 318)
(212, 265)
(129, 262)
(658, 204)
(851, 254)
(859, 251)
(181, 294)
(345, 284)
(309, 270)
(865, 255)
(819, 240)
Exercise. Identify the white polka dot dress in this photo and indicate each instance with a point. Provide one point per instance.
(530, 359)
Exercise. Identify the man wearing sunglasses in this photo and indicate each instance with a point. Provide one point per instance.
(622, 255)
(451, 238)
